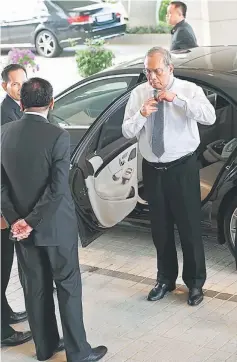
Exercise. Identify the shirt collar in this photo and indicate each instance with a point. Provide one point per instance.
(177, 26)
(37, 114)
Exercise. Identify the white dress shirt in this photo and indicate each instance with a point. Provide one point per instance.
(181, 134)
(37, 114)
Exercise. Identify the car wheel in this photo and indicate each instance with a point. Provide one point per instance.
(47, 44)
(230, 224)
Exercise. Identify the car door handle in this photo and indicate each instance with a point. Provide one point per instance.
(121, 162)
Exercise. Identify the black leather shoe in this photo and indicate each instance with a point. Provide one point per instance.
(159, 291)
(60, 347)
(16, 339)
(195, 296)
(96, 354)
(17, 317)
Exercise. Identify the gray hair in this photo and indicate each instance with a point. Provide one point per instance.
(162, 51)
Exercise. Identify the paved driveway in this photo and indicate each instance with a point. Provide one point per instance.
(118, 271)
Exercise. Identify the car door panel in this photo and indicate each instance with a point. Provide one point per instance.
(103, 178)
(113, 190)
(4, 28)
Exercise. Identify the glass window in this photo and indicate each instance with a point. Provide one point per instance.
(112, 128)
(84, 104)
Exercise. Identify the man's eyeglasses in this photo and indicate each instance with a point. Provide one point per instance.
(157, 72)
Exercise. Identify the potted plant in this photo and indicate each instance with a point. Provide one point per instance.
(94, 58)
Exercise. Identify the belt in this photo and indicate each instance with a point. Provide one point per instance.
(168, 165)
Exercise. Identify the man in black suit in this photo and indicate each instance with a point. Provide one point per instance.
(182, 34)
(13, 76)
(37, 201)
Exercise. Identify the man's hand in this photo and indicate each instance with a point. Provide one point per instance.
(149, 107)
(166, 96)
(3, 223)
(21, 230)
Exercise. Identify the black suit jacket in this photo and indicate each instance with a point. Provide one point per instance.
(183, 37)
(35, 171)
(10, 110)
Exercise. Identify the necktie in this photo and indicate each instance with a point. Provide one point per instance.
(158, 147)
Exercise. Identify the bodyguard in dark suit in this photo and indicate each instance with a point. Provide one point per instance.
(182, 34)
(13, 77)
(37, 202)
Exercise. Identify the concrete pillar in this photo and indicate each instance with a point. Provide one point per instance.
(141, 13)
(214, 21)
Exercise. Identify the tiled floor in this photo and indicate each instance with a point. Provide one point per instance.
(118, 270)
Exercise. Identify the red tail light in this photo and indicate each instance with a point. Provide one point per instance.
(118, 15)
(79, 19)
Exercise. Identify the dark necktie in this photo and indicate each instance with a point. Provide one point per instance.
(158, 147)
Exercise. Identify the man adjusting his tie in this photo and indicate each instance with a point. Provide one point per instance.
(163, 114)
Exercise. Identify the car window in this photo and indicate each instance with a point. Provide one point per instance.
(112, 128)
(33, 9)
(83, 105)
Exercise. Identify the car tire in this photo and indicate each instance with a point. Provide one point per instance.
(230, 223)
(47, 45)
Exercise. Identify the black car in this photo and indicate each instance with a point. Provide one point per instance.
(49, 26)
(106, 177)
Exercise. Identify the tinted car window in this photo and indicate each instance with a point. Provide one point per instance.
(17, 12)
(112, 128)
(84, 104)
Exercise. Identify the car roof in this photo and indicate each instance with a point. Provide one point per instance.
(216, 58)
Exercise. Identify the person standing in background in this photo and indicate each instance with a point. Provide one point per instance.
(13, 76)
(182, 34)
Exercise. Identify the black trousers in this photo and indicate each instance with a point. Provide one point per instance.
(7, 254)
(42, 265)
(174, 198)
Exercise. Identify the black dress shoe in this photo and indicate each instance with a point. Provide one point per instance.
(17, 317)
(195, 296)
(159, 291)
(96, 354)
(16, 339)
(60, 347)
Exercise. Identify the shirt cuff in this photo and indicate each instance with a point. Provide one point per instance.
(180, 101)
(140, 119)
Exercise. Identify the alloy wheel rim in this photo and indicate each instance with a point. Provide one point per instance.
(233, 226)
(46, 44)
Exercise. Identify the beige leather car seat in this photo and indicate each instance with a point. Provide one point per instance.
(208, 176)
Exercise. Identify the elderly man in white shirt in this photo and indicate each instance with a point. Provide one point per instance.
(163, 114)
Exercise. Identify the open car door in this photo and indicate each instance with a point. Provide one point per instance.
(103, 176)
